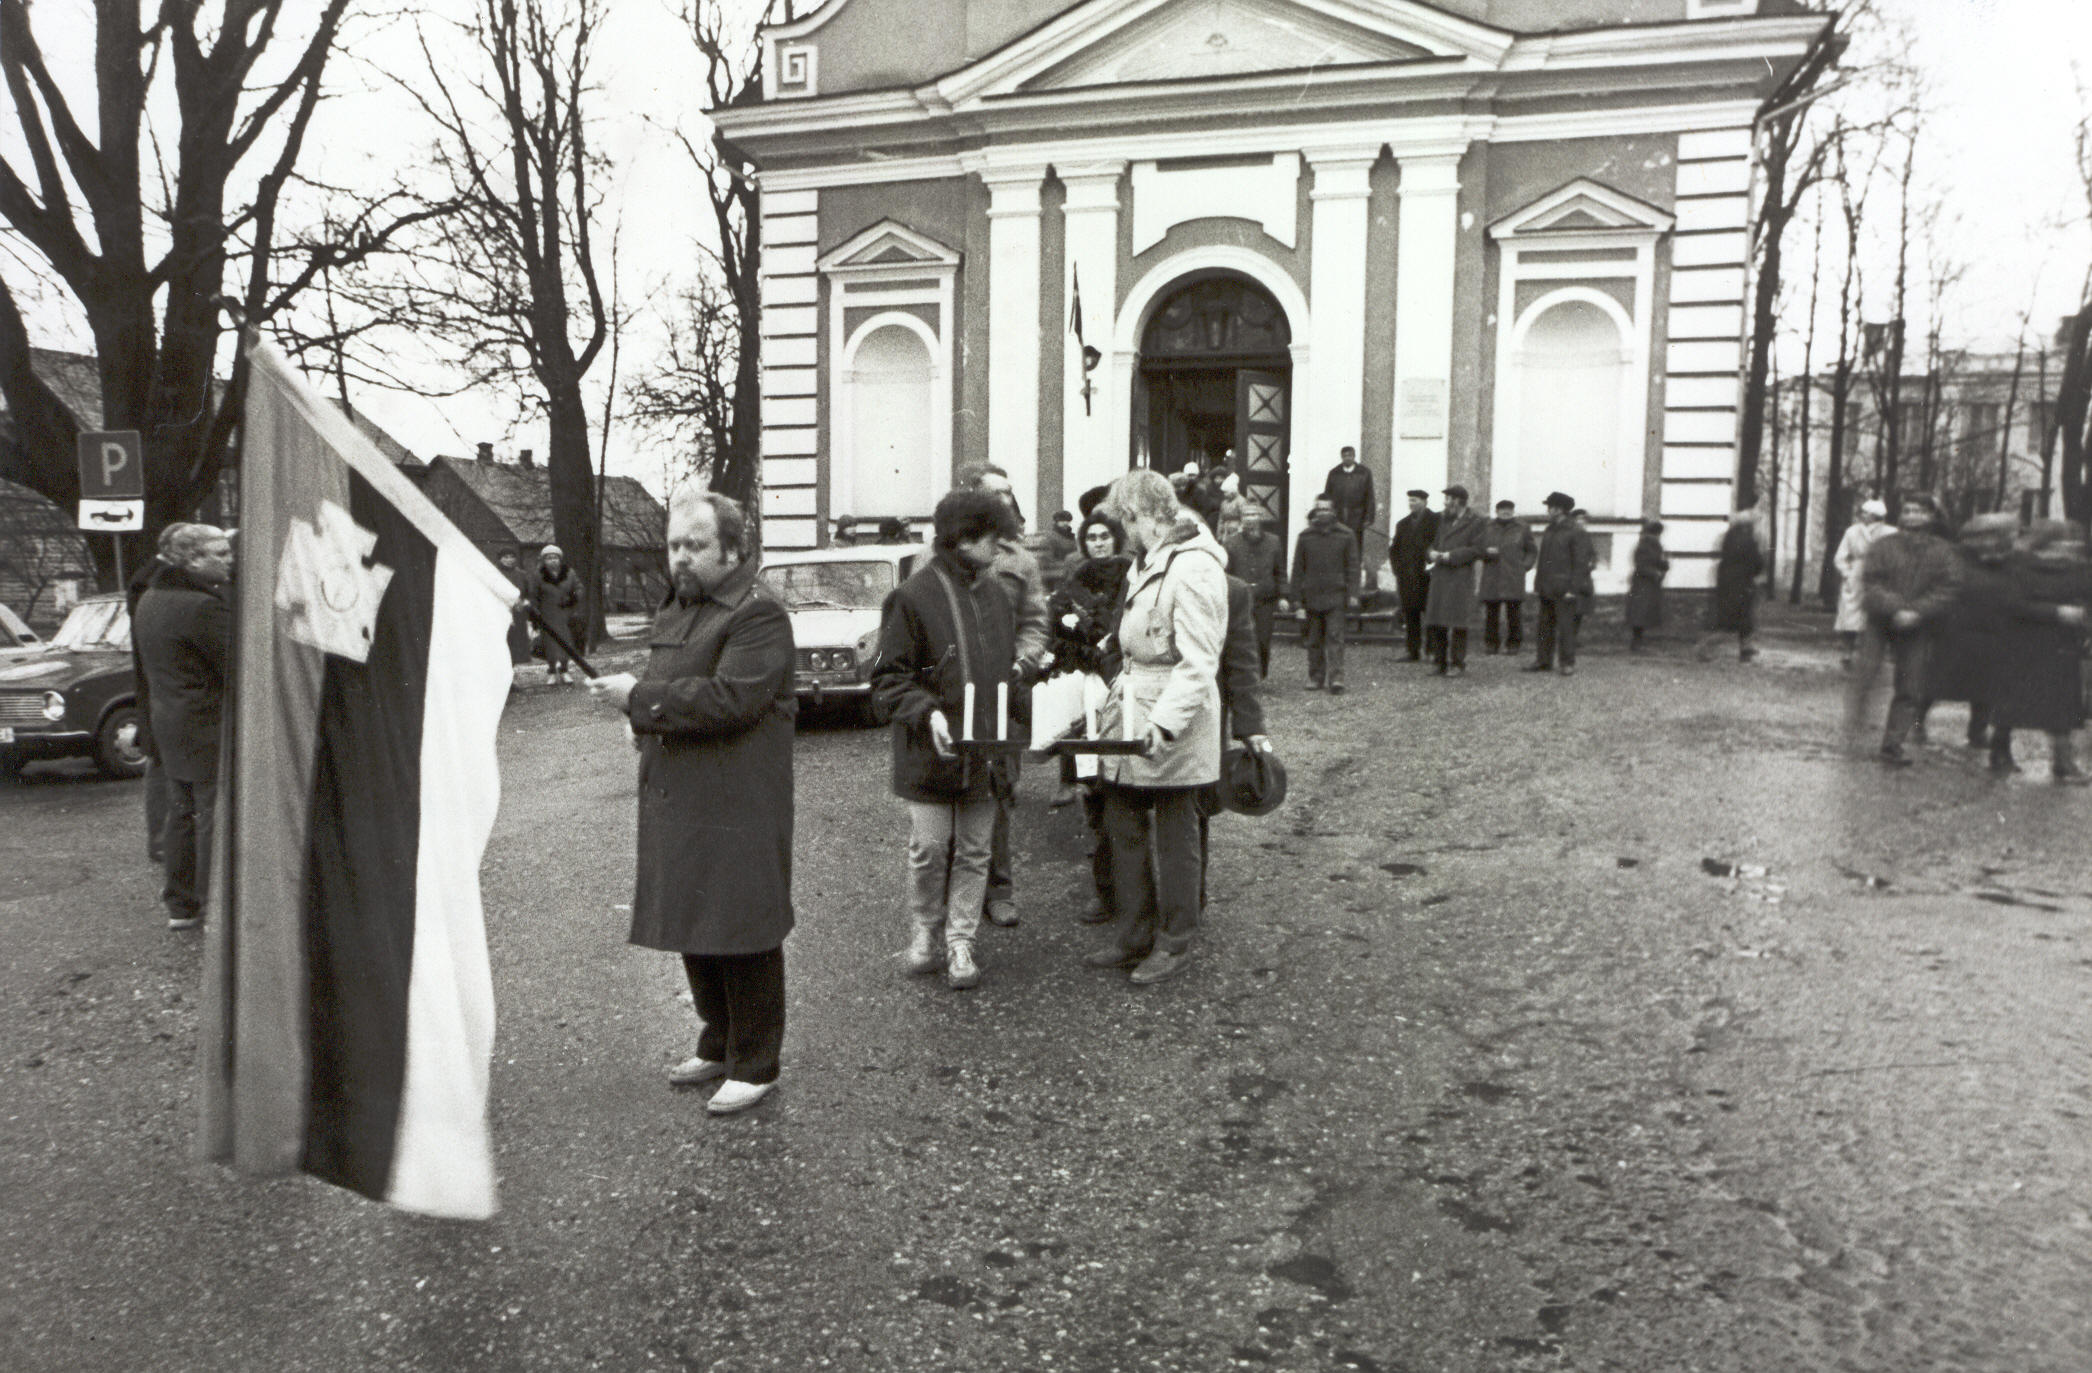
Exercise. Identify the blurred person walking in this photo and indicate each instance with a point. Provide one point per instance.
(1973, 657)
(1908, 586)
(1645, 584)
(2044, 688)
(1869, 528)
(1733, 609)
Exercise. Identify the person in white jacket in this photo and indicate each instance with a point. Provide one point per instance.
(1870, 528)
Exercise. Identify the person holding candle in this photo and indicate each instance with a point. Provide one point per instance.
(947, 652)
(1166, 696)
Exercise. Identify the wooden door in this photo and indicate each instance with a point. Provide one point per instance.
(1262, 400)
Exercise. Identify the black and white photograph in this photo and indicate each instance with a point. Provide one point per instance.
(997, 686)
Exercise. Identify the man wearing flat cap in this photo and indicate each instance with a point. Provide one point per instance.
(1409, 552)
(1562, 583)
(1449, 607)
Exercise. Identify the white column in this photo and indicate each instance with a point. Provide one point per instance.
(1013, 326)
(1427, 237)
(1333, 416)
(1093, 448)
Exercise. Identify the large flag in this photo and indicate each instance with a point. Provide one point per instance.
(348, 1004)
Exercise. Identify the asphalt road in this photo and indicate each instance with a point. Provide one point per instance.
(1617, 1022)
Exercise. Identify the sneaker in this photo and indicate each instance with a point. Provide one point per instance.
(1002, 911)
(183, 922)
(737, 1096)
(694, 1070)
(1110, 956)
(1157, 966)
(960, 971)
(922, 955)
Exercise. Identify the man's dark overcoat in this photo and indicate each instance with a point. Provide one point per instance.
(2044, 688)
(183, 634)
(1405, 552)
(1451, 602)
(1645, 585)
(1503, 577)
(1971, 662)
(1733, 609)
(713, 711)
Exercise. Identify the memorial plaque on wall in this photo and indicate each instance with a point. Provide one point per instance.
(1422, 408)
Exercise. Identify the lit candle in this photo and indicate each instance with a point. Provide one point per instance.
(1002, 711)
(966, 718)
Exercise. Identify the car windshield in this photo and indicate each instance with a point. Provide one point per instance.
(95, 624)
(831, 586)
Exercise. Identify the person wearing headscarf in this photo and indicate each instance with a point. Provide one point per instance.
(555, 594)
(1870, 528)
(1084, 615)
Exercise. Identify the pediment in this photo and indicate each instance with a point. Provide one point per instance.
(1581, 207)
(1121, 42)
(1202, 38)
(886, 247)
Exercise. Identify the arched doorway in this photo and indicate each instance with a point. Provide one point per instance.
(1214, 385)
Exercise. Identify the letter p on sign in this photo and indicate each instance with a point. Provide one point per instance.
(112, 465)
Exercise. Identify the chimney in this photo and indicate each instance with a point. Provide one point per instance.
(486, 452)
(523, 458)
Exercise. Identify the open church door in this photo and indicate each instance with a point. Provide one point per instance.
(1261, 432)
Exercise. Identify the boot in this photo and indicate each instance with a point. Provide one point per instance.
(2062, 765)
(922, 951)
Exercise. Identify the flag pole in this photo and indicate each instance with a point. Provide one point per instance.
(561, 640)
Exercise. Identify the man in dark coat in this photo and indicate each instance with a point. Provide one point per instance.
(947, 641)
(157, 802)
(1409, 552)
(183, 634)
(1733, 609)
(2044, 642)
(1257, 556)
(1562, 583)
(1350, 489)
(1907, 586)
(1503, 580)
(1449, 608)
(1325, 573)
(712, 715)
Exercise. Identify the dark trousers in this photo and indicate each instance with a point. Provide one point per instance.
(741, 1000)
(159, 799)
(1100, 851)
(1263, 614)
(1554, 637)
(1156, 865)
(1325, 646)
(1912, 655)
(1002, 877)
(1513, 618)
(185, 846)
(1447, 647)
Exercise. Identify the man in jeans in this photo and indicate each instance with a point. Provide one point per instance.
(1325, 577)
(946, 629)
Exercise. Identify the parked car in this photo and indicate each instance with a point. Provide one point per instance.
(15, 634)
(76, 696)
(834, 596)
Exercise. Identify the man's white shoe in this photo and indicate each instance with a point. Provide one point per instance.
(960, 971)
(737, 1096)
(923, 955)
(694, 1070)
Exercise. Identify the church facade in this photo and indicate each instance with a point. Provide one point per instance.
(1502, 243)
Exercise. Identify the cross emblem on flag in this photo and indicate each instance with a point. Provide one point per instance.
(326, 588)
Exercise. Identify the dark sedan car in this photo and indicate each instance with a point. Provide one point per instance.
(75, 696)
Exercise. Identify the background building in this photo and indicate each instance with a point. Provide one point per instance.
(1500, 242)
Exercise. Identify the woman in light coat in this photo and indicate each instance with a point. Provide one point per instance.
(1167, 697)
(1871, 527)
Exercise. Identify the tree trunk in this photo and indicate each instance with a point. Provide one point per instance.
(572, 480)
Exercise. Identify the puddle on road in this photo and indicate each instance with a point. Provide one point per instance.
(1313, 1270)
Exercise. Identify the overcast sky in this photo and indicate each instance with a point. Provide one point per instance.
(2003, 101)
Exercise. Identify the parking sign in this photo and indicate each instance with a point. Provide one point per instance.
(112, 465)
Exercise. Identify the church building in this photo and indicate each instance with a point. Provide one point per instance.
(1502, 243)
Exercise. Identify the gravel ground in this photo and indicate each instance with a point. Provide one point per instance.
(1626, 1021)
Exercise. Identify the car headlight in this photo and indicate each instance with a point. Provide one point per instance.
(817, 660)
(54, 705)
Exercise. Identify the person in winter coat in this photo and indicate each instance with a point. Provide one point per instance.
(555, 594)
(1908, 587)
(1645, 584)
(1562, 583)
(1969, 660)
(1258, 556)
(947, 638)
(2043, 688)
(1083, 617)
(712, 716)
(1409, 554)
(1449, 609)
(1325, 573)
(1733, 609)
(1349, 487)
(1503, 580)
(1871, 527)
(183, 634)
(1167, 697)
(158, 792)
(519, 624)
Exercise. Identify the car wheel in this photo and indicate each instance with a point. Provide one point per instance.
(117, 751)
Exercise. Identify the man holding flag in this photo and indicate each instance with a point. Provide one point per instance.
(348, 1005)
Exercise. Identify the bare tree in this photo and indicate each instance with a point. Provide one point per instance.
(1852, 189)
(2072, 421)
(1806, 440)
(39, 548)
(689, 394)
(144, 247)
